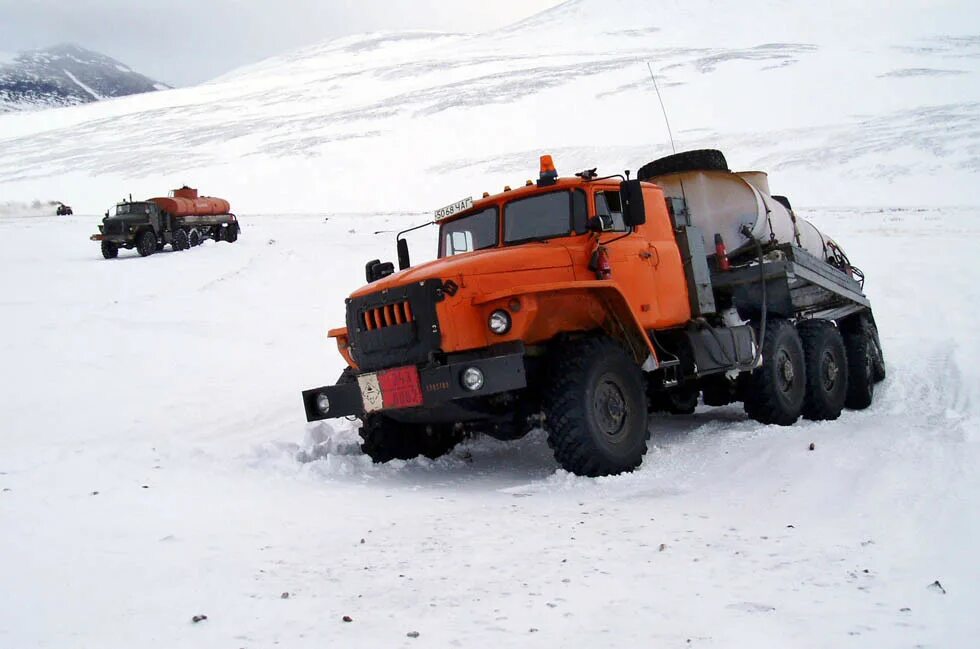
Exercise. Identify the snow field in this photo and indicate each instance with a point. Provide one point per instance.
(170, 386)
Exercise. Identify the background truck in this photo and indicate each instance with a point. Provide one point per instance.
(587, 305)
(183, 219)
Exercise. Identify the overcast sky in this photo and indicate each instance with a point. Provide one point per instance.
(182, 42)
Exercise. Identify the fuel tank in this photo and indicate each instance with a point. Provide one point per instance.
(186, 202)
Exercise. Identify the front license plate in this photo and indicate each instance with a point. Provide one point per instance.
(395, 388)
(400, 387)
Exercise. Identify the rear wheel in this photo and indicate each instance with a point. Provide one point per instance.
(181, 241)
(774, 393)
(195, 238)
(146, 245)
(877, 355)
(596, 409)
(110, 250)
(860, 346)
(826, 370)
(384, 439)
(231, 233)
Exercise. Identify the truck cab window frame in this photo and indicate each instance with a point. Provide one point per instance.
(611, 202)
(544, 216)
(479, 230)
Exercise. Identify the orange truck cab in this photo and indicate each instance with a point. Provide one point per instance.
(577, 304)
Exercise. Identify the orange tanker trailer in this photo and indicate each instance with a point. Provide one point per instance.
(183, 219)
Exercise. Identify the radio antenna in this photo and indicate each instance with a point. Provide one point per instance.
(666, 121)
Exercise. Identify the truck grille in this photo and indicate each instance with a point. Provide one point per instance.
(397, 326)
(115, 227)
(388, 315)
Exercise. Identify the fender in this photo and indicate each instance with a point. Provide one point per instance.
(623, 325)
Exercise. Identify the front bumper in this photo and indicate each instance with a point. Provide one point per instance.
(440, 385)
(114, 238)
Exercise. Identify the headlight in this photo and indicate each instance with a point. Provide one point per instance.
(472, 379)
(499, 322)
(323, 403)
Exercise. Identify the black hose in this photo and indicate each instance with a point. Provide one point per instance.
(747, 232)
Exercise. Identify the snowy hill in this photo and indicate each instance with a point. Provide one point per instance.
(65, 75)
(844, 104)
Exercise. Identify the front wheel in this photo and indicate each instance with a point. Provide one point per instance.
(384, 439)
(109, 250)
(231, 235)
(146, 245)
(596, 409)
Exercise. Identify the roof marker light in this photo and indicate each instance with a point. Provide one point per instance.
(548, 174)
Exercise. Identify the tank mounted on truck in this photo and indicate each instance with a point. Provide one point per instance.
(587, 305)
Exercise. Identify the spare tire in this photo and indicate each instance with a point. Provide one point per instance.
(697, 160)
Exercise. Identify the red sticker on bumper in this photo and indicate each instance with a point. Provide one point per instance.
(401, 387)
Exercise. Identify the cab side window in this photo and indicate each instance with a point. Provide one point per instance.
(610, 203)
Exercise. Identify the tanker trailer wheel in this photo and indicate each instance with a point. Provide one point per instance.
(146, 245)
(877, 356)
(110, 250)
(385, 439)
(826, 370)
(860, 345)
(181, 241)
(231, 234)
(698, 160)
(194, 238)
(595, 408)
(774, 393)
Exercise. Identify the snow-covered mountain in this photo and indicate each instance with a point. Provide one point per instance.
(65, 75)
(843, 103)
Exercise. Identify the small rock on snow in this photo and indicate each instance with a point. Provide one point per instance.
(347, 618)
(198, 618)
(936, 586)
(812, 446)
(285, 595)
(412, 634)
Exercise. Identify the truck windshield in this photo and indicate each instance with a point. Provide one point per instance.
(473, 232)
(544, 216)
(123, 209)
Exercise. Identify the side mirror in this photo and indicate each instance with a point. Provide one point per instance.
(634, 212)
(375, 270)
(404, 261)
(601, 223)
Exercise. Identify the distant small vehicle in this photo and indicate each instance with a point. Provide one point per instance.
(64, 210)
(183, 219)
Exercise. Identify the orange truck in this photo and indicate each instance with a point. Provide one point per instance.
(183, 219)
(588, 306)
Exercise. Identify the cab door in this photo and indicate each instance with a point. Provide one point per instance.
(646, 264)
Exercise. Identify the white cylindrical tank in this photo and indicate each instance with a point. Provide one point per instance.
(722, 202)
